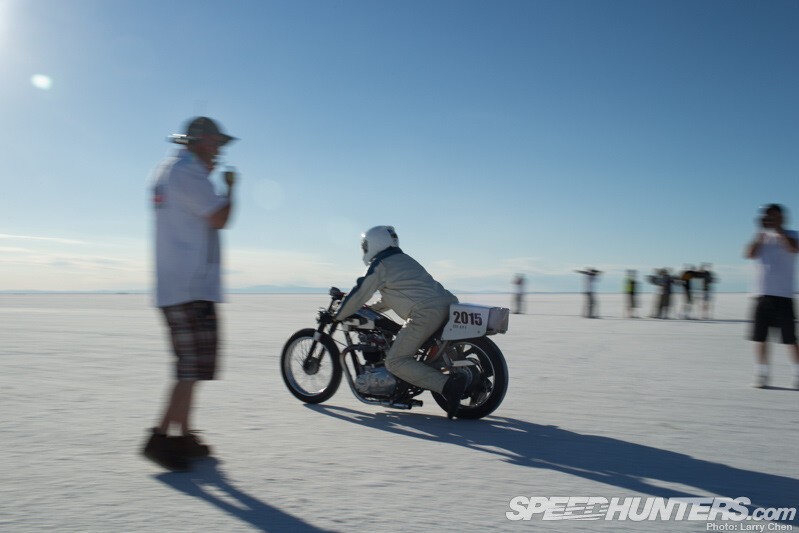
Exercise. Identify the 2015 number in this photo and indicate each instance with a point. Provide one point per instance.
(468, 319)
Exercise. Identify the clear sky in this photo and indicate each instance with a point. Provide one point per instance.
(535, 136)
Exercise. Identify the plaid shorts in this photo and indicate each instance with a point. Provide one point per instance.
(193, 328)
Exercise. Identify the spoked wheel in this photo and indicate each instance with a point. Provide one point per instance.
(311, 369)
(489, 377)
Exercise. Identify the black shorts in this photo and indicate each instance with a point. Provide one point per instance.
(774, 312)
(193, 328)
(632, 303)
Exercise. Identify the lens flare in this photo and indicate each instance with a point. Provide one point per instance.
(41, 81)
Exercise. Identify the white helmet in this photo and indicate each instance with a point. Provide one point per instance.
(376, 240)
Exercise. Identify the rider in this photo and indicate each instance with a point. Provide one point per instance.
(411, 292)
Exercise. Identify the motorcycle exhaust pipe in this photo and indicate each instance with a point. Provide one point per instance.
(384, 403)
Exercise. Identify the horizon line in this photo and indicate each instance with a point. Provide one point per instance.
(314, 290)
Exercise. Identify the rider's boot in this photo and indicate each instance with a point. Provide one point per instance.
(453, 392)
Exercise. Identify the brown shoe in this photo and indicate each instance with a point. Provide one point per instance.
(190, 447)
(161, 450)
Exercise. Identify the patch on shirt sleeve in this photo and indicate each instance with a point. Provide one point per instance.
(159, 199)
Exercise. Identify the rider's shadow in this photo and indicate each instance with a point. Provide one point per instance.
(207, 482)
(635, 467)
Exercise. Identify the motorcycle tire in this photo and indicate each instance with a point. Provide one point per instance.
(494, 377)
(311, 379)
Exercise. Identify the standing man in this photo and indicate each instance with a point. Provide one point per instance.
(518, 307)
(708, 279)
(775, 249)
(188, 217)
(666, 281)
(687, 276)
(591, 274)
(656, 279)
(631, 290)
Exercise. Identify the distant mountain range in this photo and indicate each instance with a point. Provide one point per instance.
(281, 289)
(256, 289)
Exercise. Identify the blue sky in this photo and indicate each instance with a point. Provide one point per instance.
(496, 136)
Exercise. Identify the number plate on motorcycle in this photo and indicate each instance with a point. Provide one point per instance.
(467, 321)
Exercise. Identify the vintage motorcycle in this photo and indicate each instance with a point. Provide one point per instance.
(312, 363)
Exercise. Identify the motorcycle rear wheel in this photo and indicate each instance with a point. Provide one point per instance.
(312, 378)
(493, 377)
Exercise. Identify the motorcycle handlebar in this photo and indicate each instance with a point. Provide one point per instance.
(326, 315)
(325, 318)
(336, 294)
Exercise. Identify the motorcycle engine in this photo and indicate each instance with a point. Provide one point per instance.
(375, 381)
(372, 346)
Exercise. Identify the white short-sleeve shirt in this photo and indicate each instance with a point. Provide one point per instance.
(187, 254)
(776, 266)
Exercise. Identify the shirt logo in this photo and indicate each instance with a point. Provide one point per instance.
(158, 196)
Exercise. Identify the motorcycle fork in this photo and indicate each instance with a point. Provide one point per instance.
(311, 358)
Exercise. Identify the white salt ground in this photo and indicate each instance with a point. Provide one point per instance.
(609, 408)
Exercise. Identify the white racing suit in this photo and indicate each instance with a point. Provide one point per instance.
(411, 292)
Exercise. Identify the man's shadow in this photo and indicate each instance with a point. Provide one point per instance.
(207, 482)
(634, 467)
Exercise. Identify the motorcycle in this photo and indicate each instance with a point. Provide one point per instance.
(312, 364)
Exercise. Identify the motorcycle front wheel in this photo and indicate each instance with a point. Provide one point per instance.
(489, 386)
(311, 369)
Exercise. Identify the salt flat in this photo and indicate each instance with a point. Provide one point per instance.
(610, 408)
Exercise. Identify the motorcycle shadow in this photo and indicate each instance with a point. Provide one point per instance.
(627, 465)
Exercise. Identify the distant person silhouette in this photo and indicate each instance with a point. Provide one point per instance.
(686, 278)
(707, 278)
(631, 291)
(591, 275)
(664, 280)
(654, 279)
(518, 299)
(775, 248)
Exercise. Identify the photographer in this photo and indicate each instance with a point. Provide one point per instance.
(591, 275)
(188, 216)
(775, 249)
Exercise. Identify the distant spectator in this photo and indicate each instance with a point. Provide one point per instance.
(591, 275)
(708, 279)
(654, 279)
(664, 280)
(519, 281)
(631, 290)
(775, 249)
(686, 279)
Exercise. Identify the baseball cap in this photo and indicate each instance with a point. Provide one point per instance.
(199, 127)
(765, 208)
